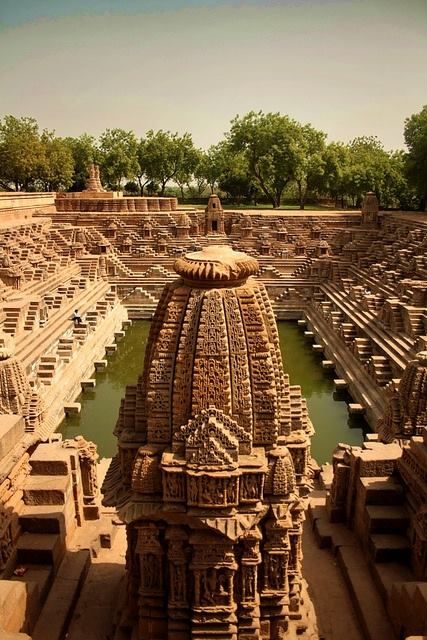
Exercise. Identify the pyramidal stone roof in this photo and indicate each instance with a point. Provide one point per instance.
(213, 342)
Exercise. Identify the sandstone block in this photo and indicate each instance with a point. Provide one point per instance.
(10, 635)
(110, 349)
(50, 460)
(340, 383)
(46, 490)
(90, 383)
(13, 602)
(40, 548)
(328, 364)
(12, 428)
(356, 408)
(100, 364)
(72, 408)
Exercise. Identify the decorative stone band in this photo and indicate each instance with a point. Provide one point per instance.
(216, 266)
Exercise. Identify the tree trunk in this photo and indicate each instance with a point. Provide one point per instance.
(162, 190)
(182, 192)
(301, 197)
(141, 186)
(277, 199)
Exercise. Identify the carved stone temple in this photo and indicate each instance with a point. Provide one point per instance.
(213, 463)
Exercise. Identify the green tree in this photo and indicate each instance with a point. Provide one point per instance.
(271, 145)
(185, 174)
(369, 166)
(310, 166)
(395, 190)
(20, 152)
(56, 167)
(212, 164)
(166, 156)
(84, 153)
(415, 134)
(118, 151)
(336, 170)
(235, 179)
(198, 183)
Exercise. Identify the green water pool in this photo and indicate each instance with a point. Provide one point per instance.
(328, 410)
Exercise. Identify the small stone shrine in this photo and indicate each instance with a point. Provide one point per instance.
(213, 464)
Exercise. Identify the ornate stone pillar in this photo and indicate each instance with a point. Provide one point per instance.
(152, 617)
(213, 568)
(249, 610)
(178, 611)
(88, 458)
(275, 587)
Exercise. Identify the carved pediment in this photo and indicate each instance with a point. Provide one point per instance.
(212, 438)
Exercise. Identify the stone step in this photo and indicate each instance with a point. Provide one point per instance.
(387, 519)
(386, 574)
(46, 490)
(389, 547)
(41, 373)
(365, 597)
(37, 580)
(47, 518)
(46, 366)
(40, 548)
(382, 491)
(60, 604)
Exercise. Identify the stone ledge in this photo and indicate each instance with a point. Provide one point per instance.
(72, 408)
(356, 408)
(90, 383)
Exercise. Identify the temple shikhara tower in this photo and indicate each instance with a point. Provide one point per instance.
(212, 469)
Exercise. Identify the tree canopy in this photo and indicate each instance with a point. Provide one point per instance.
(118, 156)
(20, 152)
(270, 144)
(263, 156)
(415, 133)
(84, 152)
(166, 156)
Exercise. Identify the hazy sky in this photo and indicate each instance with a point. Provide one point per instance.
(349, 67)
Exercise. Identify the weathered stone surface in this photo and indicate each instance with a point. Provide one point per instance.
(13, 601)
(12, 428)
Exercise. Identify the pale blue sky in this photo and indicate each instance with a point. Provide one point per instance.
(350, 67)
